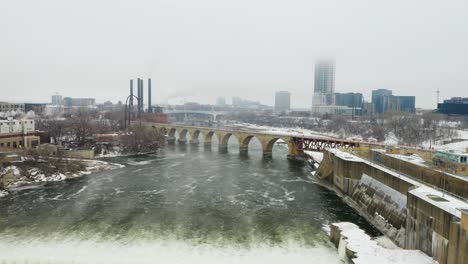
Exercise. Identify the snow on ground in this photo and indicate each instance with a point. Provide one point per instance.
(286, 131)
(463, 134)
(54, 177)
(415, 159)
(372, 251)
(111, 153)
(99, 165)
(443, 201)
(35, 175)
(391, 139)
(457, 146)
(3, 193)
(317, 156)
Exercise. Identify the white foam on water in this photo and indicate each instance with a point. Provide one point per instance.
(140, 163)
(165, 251)
(79, 191)
(3, 193)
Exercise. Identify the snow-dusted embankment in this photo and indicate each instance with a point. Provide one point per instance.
(20, 176)
(355, 245)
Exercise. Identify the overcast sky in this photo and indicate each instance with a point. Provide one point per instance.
(201, 49)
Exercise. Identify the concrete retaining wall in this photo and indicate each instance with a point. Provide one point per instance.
(435, 232)
(377, 194)
(427, 175)
(383, 197)
(78, 154)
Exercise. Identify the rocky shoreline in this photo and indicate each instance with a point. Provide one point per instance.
(26, 173)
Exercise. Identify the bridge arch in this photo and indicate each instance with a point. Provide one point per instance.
(223, 140)
(163, 130)
(269, 142)
(171, 133)
(194, 136)
(183, 135)
(296, 146)
(208, 137)
(244, 142)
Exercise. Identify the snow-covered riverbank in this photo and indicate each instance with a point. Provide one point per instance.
(20, 175)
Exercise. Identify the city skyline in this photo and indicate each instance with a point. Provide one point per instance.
(91, 49)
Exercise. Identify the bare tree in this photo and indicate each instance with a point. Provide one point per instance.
(116, 119)
(80, 124)
(140, 139)
(54, 126)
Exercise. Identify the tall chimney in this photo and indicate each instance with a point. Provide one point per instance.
(141, 100)
(131, 95)
(150, 109)
(139, 96)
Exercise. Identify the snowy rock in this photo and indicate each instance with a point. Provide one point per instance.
(3, 193)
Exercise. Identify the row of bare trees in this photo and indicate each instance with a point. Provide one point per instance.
(78, 127)
(138, 139)
(407, 128)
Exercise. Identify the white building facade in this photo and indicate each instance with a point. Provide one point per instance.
(12, 126)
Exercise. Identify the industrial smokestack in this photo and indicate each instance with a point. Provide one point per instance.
(150, 109)
(139, 96)
(141, 100)
(131, 94)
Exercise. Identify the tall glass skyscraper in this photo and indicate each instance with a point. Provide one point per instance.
(324, 83)
(282, 101)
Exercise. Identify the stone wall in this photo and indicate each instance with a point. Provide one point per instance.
(78, 154)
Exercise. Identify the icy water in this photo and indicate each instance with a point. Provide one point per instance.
(187, 204)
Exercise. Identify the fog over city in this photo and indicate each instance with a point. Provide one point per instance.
(198, 50)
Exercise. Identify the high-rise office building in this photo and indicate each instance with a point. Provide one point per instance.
(282, 101)
(384, 101)
(70, 102)
(454, 106)
(324, 83)
(353, 100)
(405, 103)
(57, 99)
(221, 101)
(381, 99)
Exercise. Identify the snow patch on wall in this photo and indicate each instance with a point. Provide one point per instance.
(366, 250)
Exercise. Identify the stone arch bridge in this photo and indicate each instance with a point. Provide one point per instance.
(296, 144)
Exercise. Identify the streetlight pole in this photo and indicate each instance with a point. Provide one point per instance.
(128, 116)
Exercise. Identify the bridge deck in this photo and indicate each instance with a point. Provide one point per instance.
(304, 142)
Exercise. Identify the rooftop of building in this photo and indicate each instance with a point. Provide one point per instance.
(453, 152)
(459, 100)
